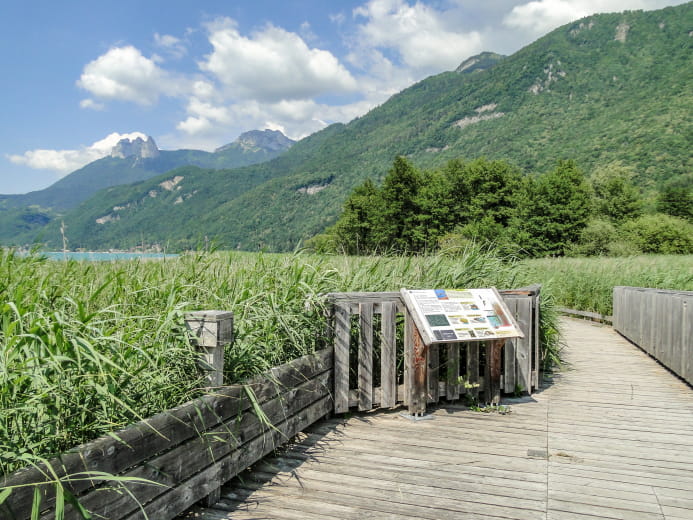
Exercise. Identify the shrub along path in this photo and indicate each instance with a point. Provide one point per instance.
(610, 437)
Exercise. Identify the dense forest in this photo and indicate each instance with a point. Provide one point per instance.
(556, 213)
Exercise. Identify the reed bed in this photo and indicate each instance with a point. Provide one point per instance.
(90, 347)
(587, 283)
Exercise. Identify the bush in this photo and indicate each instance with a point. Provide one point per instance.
(660, 233)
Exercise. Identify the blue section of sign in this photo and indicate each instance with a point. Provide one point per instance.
(441, 294)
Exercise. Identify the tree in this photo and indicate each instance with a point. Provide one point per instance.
(353, 233)
(676, 199)
(615, 196)
(555, 208)
(397, 215)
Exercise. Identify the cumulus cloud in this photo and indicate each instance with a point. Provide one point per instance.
(123, 73)
(66, 161)
(423, 37)
(541, 16)
(272, 64)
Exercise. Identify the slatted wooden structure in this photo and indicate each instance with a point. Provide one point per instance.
(186, 453)
(610, 438)
(660, 322)
(361, 383)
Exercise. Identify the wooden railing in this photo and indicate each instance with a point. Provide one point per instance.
(660, 322)
(169, 461)
(372, 352)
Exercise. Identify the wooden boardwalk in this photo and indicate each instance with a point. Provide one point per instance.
(610, 437)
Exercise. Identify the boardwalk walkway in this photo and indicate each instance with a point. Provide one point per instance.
(610, 437)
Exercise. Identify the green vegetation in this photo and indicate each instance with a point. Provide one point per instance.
(577, 93)
(89, 347)
(552, 214)
(587, 283)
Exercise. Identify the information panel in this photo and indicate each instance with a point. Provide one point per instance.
(454, 315)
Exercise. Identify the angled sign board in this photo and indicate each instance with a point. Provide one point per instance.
(458, 315)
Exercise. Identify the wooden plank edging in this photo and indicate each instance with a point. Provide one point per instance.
(147, 439)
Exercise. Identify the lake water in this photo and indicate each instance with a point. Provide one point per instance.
(101, 256)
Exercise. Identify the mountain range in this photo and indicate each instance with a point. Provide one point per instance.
(607, 89)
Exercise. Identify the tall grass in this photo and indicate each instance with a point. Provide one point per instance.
(587, 283)
(87, 348)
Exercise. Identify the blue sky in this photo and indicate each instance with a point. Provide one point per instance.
(78, 75)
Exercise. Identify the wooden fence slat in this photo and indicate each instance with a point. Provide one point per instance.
(342, 334)
(675, 347)
(472, 375)
(452, 372)
(509, 352)
(523, 346)
(432, 366)
(388, 355)
(365, 367)
(687, 340)
(535, 308)
(408, 358)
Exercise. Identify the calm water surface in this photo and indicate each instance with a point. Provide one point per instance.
(100, 256)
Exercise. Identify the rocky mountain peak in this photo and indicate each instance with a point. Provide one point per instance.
(137, 147)
(270, 140)
(482, 61)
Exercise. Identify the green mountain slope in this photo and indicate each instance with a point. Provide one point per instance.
(610, 87)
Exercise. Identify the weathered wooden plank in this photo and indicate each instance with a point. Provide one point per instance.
(175, 466)
(419, 369)
(452, 391)
(675, 334)
(586, 314)
(409, 327)
(365, 357)
(388, 355)
(140, 441)
(433, 366)
(342, 332)
(535, 322)
(492, 376)
(472, 372)
(509, 368)
(524, 347)
(174, 502)
(687, 340)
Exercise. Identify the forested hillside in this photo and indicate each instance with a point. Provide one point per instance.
(611, 89)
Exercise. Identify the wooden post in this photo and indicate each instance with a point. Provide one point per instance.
(213, 330)
(418, 396)
(492, 375)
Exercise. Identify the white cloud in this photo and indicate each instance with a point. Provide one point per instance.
(91, 104)
(123, 73)
(424, 38)
(541, 16)
(272, 64)
(66, 161)
(172, 45)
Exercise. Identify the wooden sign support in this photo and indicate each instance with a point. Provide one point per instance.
(419, 391)
(492, 374)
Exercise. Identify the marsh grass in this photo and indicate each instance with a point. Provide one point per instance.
(587, 283)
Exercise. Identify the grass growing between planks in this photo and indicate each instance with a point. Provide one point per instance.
(587, 283)
(87, 348)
